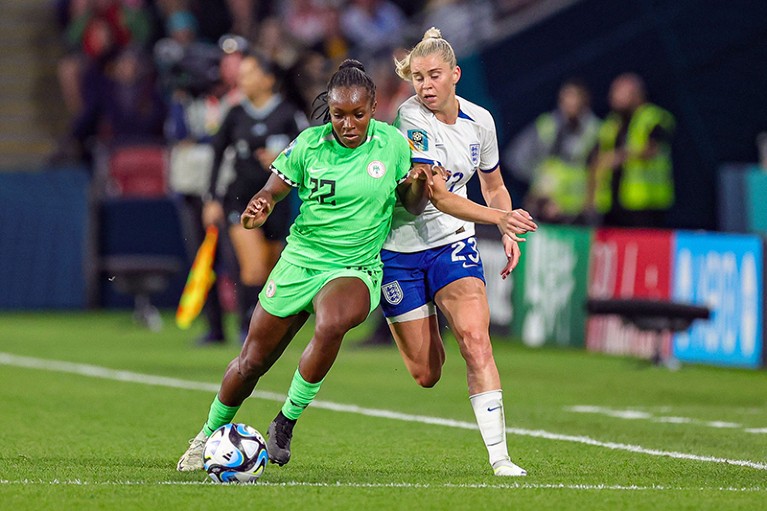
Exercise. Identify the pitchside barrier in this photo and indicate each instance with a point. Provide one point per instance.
(562, 267)
(47, 261)
(626, 264)
(726, 272)
(44, 239)
(58, 245)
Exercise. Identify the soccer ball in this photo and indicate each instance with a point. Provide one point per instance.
(235, 453)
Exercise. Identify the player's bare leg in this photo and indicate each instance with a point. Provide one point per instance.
(420, 345)
(464, 304)
(268, 336)
(341, 305)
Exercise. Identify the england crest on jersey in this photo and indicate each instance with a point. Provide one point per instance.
(474, 150)
(392, 292)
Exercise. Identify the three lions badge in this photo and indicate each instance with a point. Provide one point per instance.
(392, 292)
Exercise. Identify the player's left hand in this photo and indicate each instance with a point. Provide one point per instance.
(426, 172)
(511, 249)
(523, 221)
(439, 170)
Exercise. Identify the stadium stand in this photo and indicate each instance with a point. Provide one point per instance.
(138, 171)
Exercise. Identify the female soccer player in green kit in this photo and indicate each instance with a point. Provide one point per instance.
(349, 173)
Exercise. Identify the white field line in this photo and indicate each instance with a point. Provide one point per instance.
(339, 484)
(640, 415)
(128, 376)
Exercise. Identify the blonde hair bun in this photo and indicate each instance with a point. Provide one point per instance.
(432, 33)
(432, 43)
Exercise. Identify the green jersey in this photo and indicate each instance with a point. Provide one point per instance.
(347, 195)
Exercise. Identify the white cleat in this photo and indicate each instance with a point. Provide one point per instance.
(508, 469)
(192, 458)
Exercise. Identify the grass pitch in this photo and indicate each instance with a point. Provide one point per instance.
(95, 411)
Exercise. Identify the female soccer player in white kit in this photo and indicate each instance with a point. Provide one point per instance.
(432, 258)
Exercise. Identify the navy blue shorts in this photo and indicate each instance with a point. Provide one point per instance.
(410, 280)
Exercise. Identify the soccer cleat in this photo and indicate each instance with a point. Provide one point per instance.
(280, 433)
(505, 467)
(192, 458)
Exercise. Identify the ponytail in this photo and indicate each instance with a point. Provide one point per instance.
(432, 42)
(351, 73)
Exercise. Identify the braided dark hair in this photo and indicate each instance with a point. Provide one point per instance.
(351, 73)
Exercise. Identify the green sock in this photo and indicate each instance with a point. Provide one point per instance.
(300, 394)
(219, 415)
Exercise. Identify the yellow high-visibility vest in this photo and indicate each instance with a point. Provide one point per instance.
(646, 184)
(563, 182)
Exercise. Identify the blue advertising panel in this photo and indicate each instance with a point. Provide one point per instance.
(725, 273)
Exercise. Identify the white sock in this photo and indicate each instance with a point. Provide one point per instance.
(488, 409)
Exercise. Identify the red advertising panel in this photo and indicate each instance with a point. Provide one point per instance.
(628, 263)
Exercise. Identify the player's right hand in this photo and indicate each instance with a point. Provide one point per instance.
(255, 213)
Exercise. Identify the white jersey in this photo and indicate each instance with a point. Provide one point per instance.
(461, 148)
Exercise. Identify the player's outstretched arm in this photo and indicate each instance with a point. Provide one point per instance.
(510, 223)
(497, 196)
(261, 204)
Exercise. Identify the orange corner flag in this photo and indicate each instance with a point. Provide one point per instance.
(199, 282)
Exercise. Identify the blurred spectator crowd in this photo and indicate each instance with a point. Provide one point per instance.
(165, 72)
(130, 63)
(150, 87)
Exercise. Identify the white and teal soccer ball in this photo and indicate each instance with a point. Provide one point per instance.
(235, 453)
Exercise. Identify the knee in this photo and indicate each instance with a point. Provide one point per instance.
(332, 328)
(428, 378)
(251, 366)
(476, 348)
(335, 326)
(428, 373)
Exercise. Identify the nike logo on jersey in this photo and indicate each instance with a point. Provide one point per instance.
(315, 171)
(468, 265)
(493, 409)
